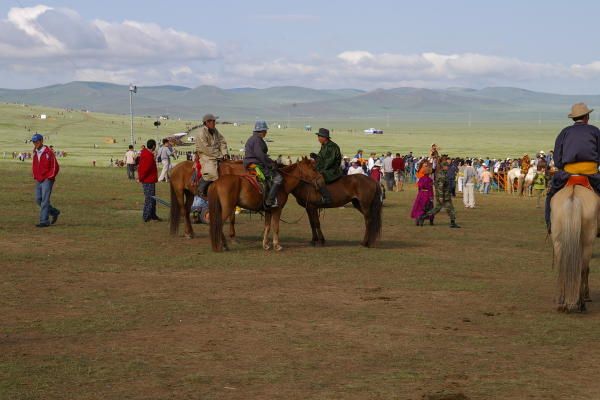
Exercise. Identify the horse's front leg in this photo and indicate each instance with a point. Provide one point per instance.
(232, 228)
(313, 229)
(317, 222)
(266, 230)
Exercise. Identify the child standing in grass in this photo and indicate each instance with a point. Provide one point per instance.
(539, 185)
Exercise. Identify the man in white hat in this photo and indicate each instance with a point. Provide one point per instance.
(211, 147)
(576, 151)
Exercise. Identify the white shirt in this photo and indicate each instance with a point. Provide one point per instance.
(130, 157)
(387, 164)
(370, 163)
(355, 170)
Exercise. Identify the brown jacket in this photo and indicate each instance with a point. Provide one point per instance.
(211, 147)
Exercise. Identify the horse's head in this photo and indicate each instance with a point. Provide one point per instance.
(307, 171)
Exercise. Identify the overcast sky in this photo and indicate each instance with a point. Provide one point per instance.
(540, 45)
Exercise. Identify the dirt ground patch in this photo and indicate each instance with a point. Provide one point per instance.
(104, 306)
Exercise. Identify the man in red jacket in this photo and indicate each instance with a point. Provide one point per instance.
(398, 167)
(148, 176)
(45, 169)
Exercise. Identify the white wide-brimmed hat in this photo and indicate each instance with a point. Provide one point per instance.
(354, 160)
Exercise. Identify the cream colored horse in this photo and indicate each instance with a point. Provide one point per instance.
(514, 173)
(575, 213)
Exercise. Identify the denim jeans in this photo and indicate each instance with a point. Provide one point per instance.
(43, 190)
(149, 211)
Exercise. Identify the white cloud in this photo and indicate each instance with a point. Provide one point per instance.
(42, 33)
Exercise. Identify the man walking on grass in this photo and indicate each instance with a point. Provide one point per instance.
(130, 162)
(148, 176)
(45, 169)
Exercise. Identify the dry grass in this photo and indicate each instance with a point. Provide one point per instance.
(104, 306)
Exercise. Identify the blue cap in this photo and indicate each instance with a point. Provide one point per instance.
(37, 137)
(260, 126)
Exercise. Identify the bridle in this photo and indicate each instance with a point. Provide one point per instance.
(312, 183)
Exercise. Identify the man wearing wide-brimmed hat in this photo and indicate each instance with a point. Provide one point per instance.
(211, 147)
(576, 152)
(329, 163)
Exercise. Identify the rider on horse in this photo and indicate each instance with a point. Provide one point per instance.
(211, 147)
(329, 163)
(255, 153)
(576, 152)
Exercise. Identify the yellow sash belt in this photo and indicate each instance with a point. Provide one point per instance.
(582, 167)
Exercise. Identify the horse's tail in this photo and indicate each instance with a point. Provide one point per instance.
(374, 227)
(568, 252)
(216, 219)
(175, 211)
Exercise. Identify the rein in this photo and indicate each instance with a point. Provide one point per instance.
(313, 183)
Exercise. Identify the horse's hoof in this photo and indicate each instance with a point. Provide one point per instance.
(278, 247)
(266, 247)
(189, 236)
(587, 300)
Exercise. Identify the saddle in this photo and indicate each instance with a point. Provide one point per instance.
(579, 180)
(256, 178)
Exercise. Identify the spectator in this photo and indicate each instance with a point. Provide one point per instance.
(130, 162)
(164, 157)
(486, 179)
(469, 187)
(45, 169)
(398, 165)
(148, 176)
(424, 200)
(376, 172)
(452, 171)
(388, 171)
(355, 167)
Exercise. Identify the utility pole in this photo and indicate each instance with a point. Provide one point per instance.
(132, 90)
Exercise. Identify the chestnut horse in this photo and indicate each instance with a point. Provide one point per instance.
(575, 213)
(229, 191)
(363, 192)
(183, 191)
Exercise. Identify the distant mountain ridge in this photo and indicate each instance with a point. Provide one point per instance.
(300, 102)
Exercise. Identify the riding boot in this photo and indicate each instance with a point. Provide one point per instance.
(203, 188)
(271, 200)
(453, 224)
(325, 196)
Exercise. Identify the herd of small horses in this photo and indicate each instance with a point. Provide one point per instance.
(575, 214)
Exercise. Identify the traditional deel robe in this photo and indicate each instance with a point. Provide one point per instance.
(329, 162)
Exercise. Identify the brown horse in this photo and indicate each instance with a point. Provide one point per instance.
(365, 195)
(229, 191)
(183, 191)
(575, 214)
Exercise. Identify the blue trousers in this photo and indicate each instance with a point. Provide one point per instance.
(43, 190)
(149, 211)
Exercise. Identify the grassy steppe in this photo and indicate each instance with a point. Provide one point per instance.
(76, 132)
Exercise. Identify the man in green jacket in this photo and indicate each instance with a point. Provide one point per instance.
(329, 163)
